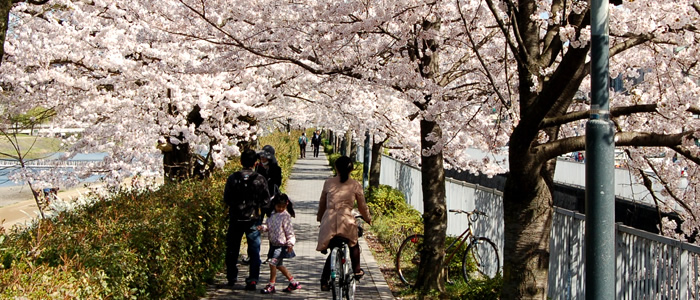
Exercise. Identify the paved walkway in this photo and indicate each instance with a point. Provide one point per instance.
(304, 189)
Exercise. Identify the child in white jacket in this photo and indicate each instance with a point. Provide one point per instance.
(282, 239)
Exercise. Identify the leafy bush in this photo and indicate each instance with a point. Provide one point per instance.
(356, 172)
(476, 289)
(391, 214)
(332, 157)
(327, 147)
(385, 200)
(152, 244)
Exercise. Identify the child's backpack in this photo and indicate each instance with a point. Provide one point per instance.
(302, 140)
(246, 205)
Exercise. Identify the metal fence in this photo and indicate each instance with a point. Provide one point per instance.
(648, 266)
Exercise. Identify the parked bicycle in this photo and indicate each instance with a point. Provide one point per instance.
(343, 281)
(480, 260)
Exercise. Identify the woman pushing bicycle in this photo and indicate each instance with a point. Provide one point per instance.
(337, 220)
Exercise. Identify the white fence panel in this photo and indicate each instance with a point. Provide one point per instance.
(649, 266)
(566, 255)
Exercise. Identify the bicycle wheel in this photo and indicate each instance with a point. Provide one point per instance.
(481, 260)
(350, 282)
(337, 281)
(408, 259)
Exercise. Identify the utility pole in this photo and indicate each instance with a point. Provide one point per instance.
(600, 166)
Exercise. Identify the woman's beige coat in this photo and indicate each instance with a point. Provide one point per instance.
(335, 211)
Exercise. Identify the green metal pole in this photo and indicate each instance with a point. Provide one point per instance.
(600, 166)
(365, 162)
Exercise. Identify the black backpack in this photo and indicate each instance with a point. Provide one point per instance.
(246, 205)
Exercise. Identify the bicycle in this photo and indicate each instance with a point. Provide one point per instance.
(343, 282)
(480, 260)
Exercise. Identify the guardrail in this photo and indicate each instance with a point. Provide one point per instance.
(46, 163)
(648, 266)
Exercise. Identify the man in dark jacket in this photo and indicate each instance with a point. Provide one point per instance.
(316, 142)
(246, 195)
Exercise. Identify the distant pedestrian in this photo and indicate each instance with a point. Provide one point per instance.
(302, 144)
(282, 240)
(316, 142)
(247, 195)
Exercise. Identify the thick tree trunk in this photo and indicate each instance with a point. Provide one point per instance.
(177, 162)
(430, 275)
(527, 206)
(376, 165)
(5, 7)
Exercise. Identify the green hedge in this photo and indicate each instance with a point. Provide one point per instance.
(391, 214)
(151, 244)
(162, 244)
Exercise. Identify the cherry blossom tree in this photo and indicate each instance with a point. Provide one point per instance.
(653, 49)
(99, 68)
(434, 77)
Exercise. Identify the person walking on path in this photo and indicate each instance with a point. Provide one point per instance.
(316, 142)
(338, 224)
(270, 169)
(246, 195)
(282, 239)
(302, 144)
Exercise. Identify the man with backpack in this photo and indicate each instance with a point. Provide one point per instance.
(302, 144)
(246, 195)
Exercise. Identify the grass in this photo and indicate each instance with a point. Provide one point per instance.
(32, 147)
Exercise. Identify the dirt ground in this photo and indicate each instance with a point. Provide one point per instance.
(17, 205)
(386, 264)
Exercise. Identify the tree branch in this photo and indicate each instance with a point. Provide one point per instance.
(501, 24)
(614, 112)
(34, 2)
(558, 147)
(580, 115)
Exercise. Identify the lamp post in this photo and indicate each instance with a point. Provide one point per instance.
(600, 162)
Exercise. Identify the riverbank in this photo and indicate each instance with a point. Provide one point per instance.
(17, 204)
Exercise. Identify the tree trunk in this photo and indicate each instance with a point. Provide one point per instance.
(176, 162)
(5, 7)
(527, 206)
(376, 165)
(348, 144)
(430, 275)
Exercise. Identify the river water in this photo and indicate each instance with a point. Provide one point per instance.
(6, 171)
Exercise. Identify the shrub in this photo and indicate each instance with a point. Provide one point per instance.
(391, 214)
(477, 289)
(385, 200)
(153, 244)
